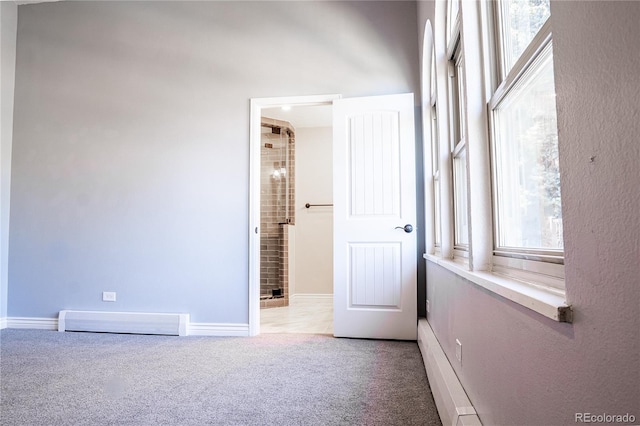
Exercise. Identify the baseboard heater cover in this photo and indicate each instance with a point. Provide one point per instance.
(124, 322)
(453, 405)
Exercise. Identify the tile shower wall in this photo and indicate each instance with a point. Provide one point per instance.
(277, 210)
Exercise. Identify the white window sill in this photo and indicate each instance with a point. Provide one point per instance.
(537, 299)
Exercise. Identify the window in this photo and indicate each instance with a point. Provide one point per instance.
(435, 152)
(519, 22)
(453, 19)
(433, 236)
(494, 162)
(458, 150)
(524, 142)
(526, 166)
(435, 156)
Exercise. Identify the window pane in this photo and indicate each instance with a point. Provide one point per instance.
(436, 212)
(454, 106)
(461, 237)
(435, 148)
(452, 15)
(522, 19)
(461, 92)
(433, 73)
(526, 158)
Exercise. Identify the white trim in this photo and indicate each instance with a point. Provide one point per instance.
(32, 323)
(452, 402)
(303, 297)
(491, 48)
(218, 329)
(478, 156)
(193, 329)
(3, 323)
(540, 273)
(256, 105)
(536, 298)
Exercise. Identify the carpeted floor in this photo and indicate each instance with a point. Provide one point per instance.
(50, 378)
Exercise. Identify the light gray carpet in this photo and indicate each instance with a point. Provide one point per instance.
(50, 378)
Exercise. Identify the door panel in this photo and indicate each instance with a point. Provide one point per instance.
(375, 179)
(375, 276)
(374, 198)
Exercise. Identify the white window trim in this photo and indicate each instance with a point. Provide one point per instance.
(453, 22)
(435, 178)
(548, 275)
(457, 132)
(431, 156)
(532, 284)
(537, 298)
(461, 152)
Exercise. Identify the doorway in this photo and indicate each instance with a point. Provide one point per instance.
(374, 198)
(308, 118)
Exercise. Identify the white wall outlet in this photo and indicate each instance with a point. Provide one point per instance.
(428, 306)
(108, 296)
(459, 351)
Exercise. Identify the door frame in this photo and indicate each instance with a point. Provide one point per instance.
(257, 104)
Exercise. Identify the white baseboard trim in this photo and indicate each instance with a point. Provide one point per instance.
(32, 323)
(193, 329)
(3, 323)
(218, 329)
(308, 297)
(454, 407)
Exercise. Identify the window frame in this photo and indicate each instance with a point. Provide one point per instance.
(436, 200)
(528, 282)
(542, 266)
(456, 94)
(453, 22)
(433, 174)
(435, 182)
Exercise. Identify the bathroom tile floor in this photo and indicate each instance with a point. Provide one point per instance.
(301, 316)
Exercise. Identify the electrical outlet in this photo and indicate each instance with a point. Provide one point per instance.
(459, 351)
(428, 306)
(108, 296)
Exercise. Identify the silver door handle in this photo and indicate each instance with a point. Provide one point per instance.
(408, 228)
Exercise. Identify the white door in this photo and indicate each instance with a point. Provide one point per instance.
(374, 201)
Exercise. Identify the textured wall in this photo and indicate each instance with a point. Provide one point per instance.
(131, 145)
(519, 367)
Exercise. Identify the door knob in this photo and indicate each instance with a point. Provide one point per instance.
(407, 228)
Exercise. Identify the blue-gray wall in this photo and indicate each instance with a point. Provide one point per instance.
(131, 141)
(8, 20)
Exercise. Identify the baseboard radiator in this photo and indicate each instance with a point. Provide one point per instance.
(124, 322)
(454, 407)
